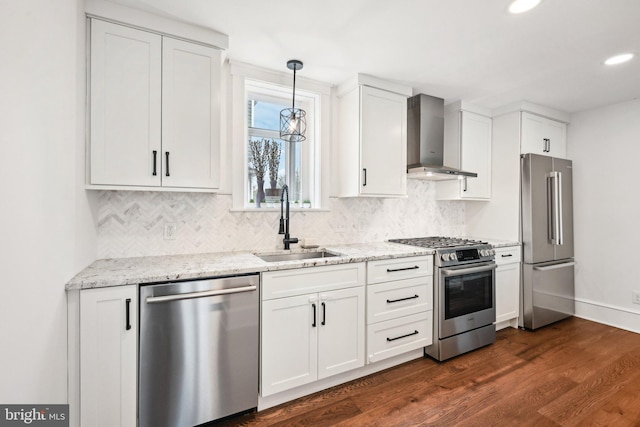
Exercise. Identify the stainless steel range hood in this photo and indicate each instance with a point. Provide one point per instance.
(425, 141)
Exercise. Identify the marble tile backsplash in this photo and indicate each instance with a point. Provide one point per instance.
(131, 223)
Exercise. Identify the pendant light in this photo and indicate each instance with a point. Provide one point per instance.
(293, 121)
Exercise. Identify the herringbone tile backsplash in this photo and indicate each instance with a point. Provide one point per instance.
(131, 223)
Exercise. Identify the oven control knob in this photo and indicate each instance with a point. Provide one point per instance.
(444, 257)
(454, 257)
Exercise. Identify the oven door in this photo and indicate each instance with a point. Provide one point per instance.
(467, 298)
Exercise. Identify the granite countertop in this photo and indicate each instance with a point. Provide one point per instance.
(130, 271)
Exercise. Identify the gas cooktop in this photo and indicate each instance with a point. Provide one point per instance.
(439, 242)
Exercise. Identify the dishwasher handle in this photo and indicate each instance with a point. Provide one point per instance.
(202, 294)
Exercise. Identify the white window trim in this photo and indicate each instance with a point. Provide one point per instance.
(240, 73)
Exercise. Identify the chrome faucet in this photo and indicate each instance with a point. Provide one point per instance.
(284, 220)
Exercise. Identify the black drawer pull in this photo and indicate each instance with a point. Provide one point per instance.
(506, 255)
(128, 310)
(166, 155)
(324, 314)
(392, 270)
(389, 301)
(402, 336)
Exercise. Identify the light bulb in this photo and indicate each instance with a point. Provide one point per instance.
(293, 123)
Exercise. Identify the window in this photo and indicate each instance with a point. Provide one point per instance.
(257, 96)
(274, 160)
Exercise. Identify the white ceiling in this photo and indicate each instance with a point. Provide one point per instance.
(454, 49)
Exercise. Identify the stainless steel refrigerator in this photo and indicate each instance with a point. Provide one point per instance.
(547, 240)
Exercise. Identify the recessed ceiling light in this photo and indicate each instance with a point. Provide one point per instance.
(520, 6)
(619, 59)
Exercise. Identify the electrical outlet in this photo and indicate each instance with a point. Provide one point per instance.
(170, 229)
(635, 297)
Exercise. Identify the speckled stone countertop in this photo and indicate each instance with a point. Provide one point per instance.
(128, 271)
(497, 243)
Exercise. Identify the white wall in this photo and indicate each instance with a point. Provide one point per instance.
(604, 145)
(48, 231)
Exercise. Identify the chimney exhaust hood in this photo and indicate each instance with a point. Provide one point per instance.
(425, 141)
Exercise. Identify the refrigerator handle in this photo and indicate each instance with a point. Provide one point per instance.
(559, 203)
(550, 208)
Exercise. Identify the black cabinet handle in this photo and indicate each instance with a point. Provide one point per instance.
(324, 314)
(364, 184)
(389, 301)
(166, 155)
(464, 184)
(314, 315)
(155, 161)
(402, 336)
(547, 145)
(506, 255)
(128, 312)
(393, 270)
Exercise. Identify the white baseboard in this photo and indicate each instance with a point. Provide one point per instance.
(618, 317)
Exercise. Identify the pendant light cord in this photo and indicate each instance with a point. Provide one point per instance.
(293, 102)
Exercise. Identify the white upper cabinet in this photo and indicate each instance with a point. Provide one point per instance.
(190, 115)
(125, 105)
(371, 151)
(543, 136)
(155, 110)
(467, 146)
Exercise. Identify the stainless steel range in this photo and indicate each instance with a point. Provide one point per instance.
(464, 310)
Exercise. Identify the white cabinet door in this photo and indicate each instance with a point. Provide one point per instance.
(341, 331)
(190, 115)
(476, 155)
(507, 284)
(468, 147)
(108, 356)
(383, 142)
(543, 136)
(289, 346)
(507, 292)
(125, 105)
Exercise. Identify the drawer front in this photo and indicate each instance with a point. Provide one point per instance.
(508, 255)
(300, 281)
(398, 336)
(386, 301)
(399, 268)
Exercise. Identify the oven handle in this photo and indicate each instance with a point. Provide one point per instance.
(469, 270)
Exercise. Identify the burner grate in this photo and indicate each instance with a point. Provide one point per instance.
(438, 242)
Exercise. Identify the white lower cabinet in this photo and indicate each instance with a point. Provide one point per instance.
(507, 286)
(399, 306)
(315, 334)
(108, 356)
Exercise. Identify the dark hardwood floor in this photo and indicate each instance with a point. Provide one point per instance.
(572, 373)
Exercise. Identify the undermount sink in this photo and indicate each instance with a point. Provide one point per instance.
(296, 256)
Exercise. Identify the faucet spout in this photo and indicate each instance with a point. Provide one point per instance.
(284, 218)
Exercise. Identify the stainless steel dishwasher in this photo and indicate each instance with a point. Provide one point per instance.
(198, 355)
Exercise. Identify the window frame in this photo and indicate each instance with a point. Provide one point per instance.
(276, 86)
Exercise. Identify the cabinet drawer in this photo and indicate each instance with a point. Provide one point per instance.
(386, 301)
(399, 268)
(398, 336)
(299, 281)
(508, 255)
